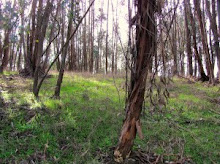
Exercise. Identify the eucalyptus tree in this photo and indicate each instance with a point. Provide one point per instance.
(145, 45)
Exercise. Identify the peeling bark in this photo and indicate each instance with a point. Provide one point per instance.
(145, 37)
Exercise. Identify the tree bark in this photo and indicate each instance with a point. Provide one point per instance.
(84, 46)
(188, 40)
(106, 41)
(91, 61)
(204, 40)
(40, 35)
(213, 25)
(63, 59)
(51, 37)
(204, 77)
(218, 10)
(5, 51)
(145, 41)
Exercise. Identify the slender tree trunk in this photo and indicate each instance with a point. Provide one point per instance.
(198, 57)
(113, 39)
(116, 39)
(30, 49)
(162, 50)
(92, 40)
(106, 42)
(19, 58)
(63, 59)
(188, 40)
(15, 58)
(12, 56)
(84, 46)
(23, 45)
(5, 58)
(72, 58)
(145, 50)
(1, 48)
(213, 25)
(204, 39)
(50, 38)
(40, 35)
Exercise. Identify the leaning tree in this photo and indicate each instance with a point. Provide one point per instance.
(145, 49)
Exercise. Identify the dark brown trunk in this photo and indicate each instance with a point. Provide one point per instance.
(162, 50)
(106, 42)
(85, 66)
(72, 57)
(63, 59)
(145, 42)
(29, 65)
(174, 45)
(213, 25)
(204, 40)
(1, 48)
(218, 9)
(50, 38)
(188, 40)
(91, 61)
(40, 35)
(198, 56)
(5, 52)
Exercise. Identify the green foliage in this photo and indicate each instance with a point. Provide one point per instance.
(86, 121)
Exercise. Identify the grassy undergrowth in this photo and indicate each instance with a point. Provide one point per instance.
(85, 123)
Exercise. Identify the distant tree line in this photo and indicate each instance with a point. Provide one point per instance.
(33, 32)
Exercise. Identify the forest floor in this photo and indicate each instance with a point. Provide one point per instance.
(84, 125)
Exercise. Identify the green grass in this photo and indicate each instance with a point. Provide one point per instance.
(86, 121)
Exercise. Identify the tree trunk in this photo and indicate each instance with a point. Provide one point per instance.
(106, 42)
(204, 77)
(63, 59)
(218, 9)
(174, 45)
(188, 40)
(84, 46)
(40, 35)
(204, 40)
(162, 49)
(213, 25)
(31, 40)
(145, 42)
(12, 54)
(5, 51)
(91, 61)
(51, 37)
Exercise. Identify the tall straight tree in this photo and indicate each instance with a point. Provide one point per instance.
(188, 39)
(197, 55)
(204, 39)
(91, 61)
(42, 24)
(213, 25)
(6, 46)
(106, 41)
(64, 54)
(85, 66)
(145, 45)
(218, 10)
(173, 43)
